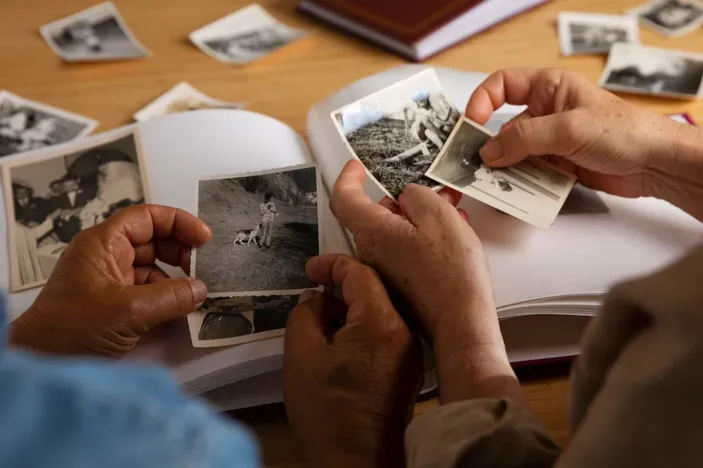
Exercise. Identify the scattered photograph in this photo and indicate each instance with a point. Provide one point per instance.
(182, 98)
(397, 132)
(52, 196)
(658, 72)
(582, 33)
(228, 321)
(533, 191)
(671, 18)
(265, 228)
(96, 34)
(684, 118)
(27, 125)
(244, 36)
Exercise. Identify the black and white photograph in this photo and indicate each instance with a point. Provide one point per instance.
(228, 321)
(398, 132)
(244, 36)
(671, 18)
(657, 72)
(182, 98)
(265, 228)
(27, 125)
(96, 34)
(50, 197)
(533, 191)
(590, 34)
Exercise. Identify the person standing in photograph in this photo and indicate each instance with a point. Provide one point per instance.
(268, 214)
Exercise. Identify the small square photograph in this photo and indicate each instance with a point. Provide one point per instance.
(671, 18)
(244, 36)
(52, 196)
(684, 118)
(229, 321)
(584, 34)
(657, 72)
(265, 228)
(533, 191)
(27, 125)
(398, 132)
(182, 98)
(96, 34)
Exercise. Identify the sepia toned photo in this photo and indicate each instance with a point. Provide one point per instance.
(265, 228)
(671, 18)
(532, 191)
(181, 98)
(657, 72)
(398, 132)
(244, 36)
(229, 321)
(27, 125)
(96, 34)
(52, 196)
(581, 33)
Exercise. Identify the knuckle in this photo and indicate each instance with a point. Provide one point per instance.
(571, 125)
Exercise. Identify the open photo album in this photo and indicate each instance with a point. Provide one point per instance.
(264, 190)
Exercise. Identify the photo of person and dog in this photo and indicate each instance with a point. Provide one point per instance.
(54, 198)
(265, 228)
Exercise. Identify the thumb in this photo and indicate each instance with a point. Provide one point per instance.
(559, 134)
(165, 300)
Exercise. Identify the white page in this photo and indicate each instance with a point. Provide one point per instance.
(585, 252)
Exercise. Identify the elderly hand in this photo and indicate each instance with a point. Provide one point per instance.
(349, 388)
(106, 290)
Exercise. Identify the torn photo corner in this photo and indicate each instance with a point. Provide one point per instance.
(533, 190)
(183, 97)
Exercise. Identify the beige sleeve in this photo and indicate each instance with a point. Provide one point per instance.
(637, 392)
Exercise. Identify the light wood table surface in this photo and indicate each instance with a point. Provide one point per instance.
(284, 86)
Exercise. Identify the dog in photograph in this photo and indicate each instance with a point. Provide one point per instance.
(246, 237)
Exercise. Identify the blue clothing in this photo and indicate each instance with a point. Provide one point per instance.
(76, 413)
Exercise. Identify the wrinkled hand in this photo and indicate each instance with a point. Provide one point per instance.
(609, 144)
(106, 290)
(348, 391)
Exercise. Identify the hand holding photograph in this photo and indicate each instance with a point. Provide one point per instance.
(657, 72)
(533, 191)
(244, 36)
(671, 18)
(181, 98)
(96, 34)
(397, 132)
(583, 33)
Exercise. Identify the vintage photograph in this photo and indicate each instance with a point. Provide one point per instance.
(96, 34)
(27, 125)
(671, 17)
(181, 98)
(265, 228)
(51, 197)
(397, 132)
(228, 321)
(581, 33)
(244, 36)
(532, 191)
(659, 72)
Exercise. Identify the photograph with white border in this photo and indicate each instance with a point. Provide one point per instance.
(244, 36)
(29, 125)
(672, 18)
(183, 97)
(397, 132)
(230, 321)
(533, 190)
(588, 34)
(637, 69)
(265, 227)
(96, 34)
(52, 195)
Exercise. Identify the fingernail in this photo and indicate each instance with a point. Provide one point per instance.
(307, 295)
(492, 151)
(199, 291)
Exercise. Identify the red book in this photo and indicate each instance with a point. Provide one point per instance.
(416, 29)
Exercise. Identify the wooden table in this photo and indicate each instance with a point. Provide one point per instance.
(284, 86)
